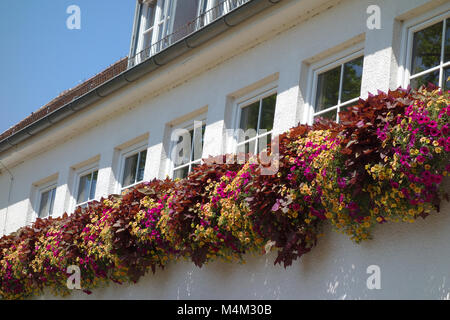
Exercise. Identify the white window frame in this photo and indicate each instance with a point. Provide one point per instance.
(208, 15)
(325, 65)
(53, 184)
(89, 169)
(203, 17)
(148, 49)
(187, 125)
(244, 101)
(124, 154)
(408, 41)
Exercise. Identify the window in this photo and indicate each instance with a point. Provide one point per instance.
(337, 86)
(133, 168)
(430, 55)
(210, 10)
(86, 188)
(157, 21)
(256, 123)
(46, 201)
(202, 13)
(187, 148)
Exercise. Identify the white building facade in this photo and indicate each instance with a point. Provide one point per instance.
(208, 66)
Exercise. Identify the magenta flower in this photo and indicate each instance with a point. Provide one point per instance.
(424, 150)
(420, 159)
(437, 179)
(426, 175)
(341, 183)
(435, 132)
(432, 124)
(423, 119)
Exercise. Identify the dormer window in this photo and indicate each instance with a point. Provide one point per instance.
(156, 24)
(160, 23)
(210, 10)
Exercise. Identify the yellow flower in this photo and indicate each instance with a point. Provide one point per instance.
(438, 150)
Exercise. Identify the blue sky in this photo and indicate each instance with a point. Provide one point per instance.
(40, 57)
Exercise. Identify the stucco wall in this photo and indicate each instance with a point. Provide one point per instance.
(279, 46)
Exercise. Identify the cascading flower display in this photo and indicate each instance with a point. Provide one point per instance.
(385, 162)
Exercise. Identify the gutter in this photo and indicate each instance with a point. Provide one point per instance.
(153, 63)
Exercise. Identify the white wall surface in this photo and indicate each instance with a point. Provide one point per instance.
(277, 46)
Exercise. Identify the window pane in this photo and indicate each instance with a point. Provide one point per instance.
(328, 89)
(332, 115)
(191, 153)
(249, 119)
(169, 9)
(427, 48)
(446, 84)
(198, 141)
(84, 188)
(140, 173)
(447, 42)
(203, 134)
(44, 204)
(147, 44)
(129, 173)
(264, 142)
(267, 113)
(203, 20)
(183, 147)
(52, 201)
(150, 16)
(203, 6)
(351, 82)
(163, 8)
(181, 173)
(93, 185)
(432, 77)
(160, 31)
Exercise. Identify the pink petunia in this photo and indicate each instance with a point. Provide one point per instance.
(432, 124)
(435, 132)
